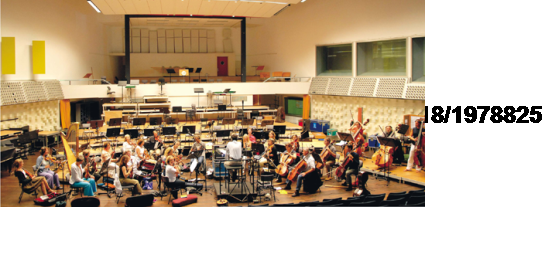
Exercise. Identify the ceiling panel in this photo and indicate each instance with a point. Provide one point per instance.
(206, 8)
(168, 6)
(142, 6)
(273, 11)
(181, 7)
(184, 22)
(194, 6)
(128, 6)
(154, 6)
(104, 7)
(242, 8)
(219, 7)
(265, 8)
(253, 9)
(230, 8)
(116, 6)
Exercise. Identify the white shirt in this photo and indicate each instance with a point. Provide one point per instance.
(139, 153)
(310, 160)
(76, 173)
(126, 147)
(170, 173)
(234, 150)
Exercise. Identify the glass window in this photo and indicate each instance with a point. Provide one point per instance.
(294, 106)
(334, 60)
(418, 59)
(382, 58)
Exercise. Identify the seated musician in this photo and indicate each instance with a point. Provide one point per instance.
(309, 169)
(173, 177)
(251, 136)
(352, 168)
(128, 144)
(155, 139)
(398, 155)
(389, 133)
(106, 159)
(272, 135)
(330, 159)
(126, 174)
(199, 146)
(176, 149)
(30, 183)
(132, 163)
(89, 163)
(43, 167)
(356, 131)
(234, 152)
(414, 137)
(77, 177)
(246, 143)
(295, 143)
(289, 151)
(273, 155)
(139, 150)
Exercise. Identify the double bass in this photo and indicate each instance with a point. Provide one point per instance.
(383, 158)
(419, 153)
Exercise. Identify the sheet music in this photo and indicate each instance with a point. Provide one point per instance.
(194, 163)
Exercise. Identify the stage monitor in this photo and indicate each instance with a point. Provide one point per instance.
(113, 132)
(155, 121)
(139, 121)
(115, 122)
(222, 108)
(188, 130)
(134, 133)
(280, 130)
(177, 109)
(168, 130)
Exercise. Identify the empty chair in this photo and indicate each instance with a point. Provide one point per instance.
(219, 80)
(377, 198)
(144, 81)
(211, 80)
(153, 81)
(288, 75)
(264, 75)
(283, 205)
(350, 200)
(416, 200)
(309, 204)
(329, 202)
(417, 192)
(393, 196)
(394, 202)
(371, 203)
(262, 205)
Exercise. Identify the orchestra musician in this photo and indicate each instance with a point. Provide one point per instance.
(77, 178)
(352, 168)
(176, 149)
(272, 135)
(246, 143)
(106, 157)
(88, 162)
(128, 144)
(356, 131)
(172, 172)
(289, 151)
(139, 150)
(295, 144)
(30, 183)
(398, 155)
(125, 176)
(270, 153)
(389, 133)
(199, 146)
(413, 137)
(43, 163)
(234, 152)
(155, 139)
(251, 136)
(330, 160)
(309, 170)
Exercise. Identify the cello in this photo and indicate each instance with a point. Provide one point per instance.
(285, 161)
(295, 171)
(340, 171)
(383, 158)
(419, 153)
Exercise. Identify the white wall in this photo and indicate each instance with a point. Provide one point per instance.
(149, 64)
(287, 42)
(75, 40)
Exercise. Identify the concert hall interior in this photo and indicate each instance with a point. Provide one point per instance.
(205, 103)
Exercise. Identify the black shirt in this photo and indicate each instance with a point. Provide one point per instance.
(274, 155)
(354, 164)
(415, 133)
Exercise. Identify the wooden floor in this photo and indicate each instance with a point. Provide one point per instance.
(10, 191)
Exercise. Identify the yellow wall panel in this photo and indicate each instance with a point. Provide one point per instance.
(8, 55)
(39, 57)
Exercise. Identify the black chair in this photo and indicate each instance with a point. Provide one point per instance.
(393, 196)
(190, 113)
(283, 205)
(415, 200)
(106, 179)
(309, 204)
(350, 200)
(394, 202)
(266, 181)
(86, 202)
(417, 192)
(24, 192)
(329, 202)
(371, 203)
(124, 187)
(336, 205)
(378, 198)
(169, 188)
(262, 205)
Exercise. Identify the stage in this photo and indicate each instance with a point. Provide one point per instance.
(236, 193)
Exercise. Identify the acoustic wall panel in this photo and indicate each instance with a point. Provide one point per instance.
(53, 89)
(178, 44)
(339, 86)
(144, 32)
(363, 87)
(211, 45)
(186, 45)
(203, 43)
(319, 85)
(177, 33)
(194, 33)
(136, 44)
(169, 33)
(203, 33)
(186, 33)
(153, 42)
(170, 45)
(38, 57)
(227, 46)
(211, 34)
(12, 93)
(161, 41)
(390, 87)
(136, 32)
(8, 55)
(415, 92)
(194, 44)
(34, 91)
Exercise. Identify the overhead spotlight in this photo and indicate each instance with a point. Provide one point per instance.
(94, 6)
(191, 15)
(303, 1)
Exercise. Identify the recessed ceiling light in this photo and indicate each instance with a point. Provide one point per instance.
(94, 6)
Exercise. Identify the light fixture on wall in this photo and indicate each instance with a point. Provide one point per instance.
(94, 6)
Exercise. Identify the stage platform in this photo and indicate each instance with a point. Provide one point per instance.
(240, 194)
(398, 173)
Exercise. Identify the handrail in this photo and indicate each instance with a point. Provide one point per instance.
(286, 77)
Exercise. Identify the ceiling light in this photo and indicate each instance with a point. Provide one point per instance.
(303, 1)
(191, 15)
(94, 6)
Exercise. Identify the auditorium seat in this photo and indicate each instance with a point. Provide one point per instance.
(264, 75)
(416, 200)
(393, 196)
(393, 203)
(377, 198)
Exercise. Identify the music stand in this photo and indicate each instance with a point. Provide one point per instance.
(267, 122)
(139, 121)
(221, 108)
(170, 72)
(403, 129)
(304, 135)
(198, 70)
(257, 147)
(148, 132)
(228, 90)
(280, 130)
(155, 121)
(189, 130)
(113, 132)
(247, 122)
(134, 133)
(115, 122)
(386, 142)
(198, 91)
(345, 136)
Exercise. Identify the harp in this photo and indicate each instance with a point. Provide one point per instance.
(71, 145)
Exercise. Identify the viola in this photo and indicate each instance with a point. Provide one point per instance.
(295, 172)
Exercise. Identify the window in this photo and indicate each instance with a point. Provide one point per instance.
(382, 58)
(418, 59)
(334, 60)
(294, 106)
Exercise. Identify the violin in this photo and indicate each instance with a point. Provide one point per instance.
(295, 172)
(28, 174)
